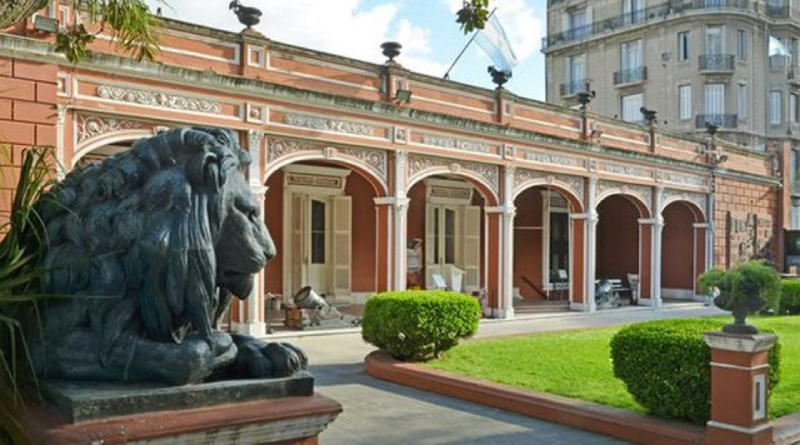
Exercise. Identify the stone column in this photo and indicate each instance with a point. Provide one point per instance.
(507, 247)
(61, 117)
(589, 304)
(646, 257)
(658, 230)
(739, 389)
(400, 211)
(710, 232)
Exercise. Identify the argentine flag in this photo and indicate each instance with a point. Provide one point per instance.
(493, 40)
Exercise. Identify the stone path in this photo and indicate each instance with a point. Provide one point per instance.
(378, 412)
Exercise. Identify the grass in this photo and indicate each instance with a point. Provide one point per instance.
(577, 364)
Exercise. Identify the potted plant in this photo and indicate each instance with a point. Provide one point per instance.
(743, 290)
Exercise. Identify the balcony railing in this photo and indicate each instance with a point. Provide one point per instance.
(570, 88)
(778, 11)
(717, 62)
(793, 74)
(636, 17)
(720, 120)
(633, 75)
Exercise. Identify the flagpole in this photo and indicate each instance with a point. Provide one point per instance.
(475, 34)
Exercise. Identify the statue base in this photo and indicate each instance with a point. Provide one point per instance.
(279, 411)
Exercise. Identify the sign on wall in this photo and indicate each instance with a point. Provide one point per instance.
(748, 236)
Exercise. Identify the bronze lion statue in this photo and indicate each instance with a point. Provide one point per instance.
(153, 243)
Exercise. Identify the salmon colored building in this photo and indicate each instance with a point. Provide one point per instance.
(365, 190)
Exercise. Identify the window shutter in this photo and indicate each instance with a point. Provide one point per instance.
(431, 262)
(472, 248)
(342, 244)
(299, 204)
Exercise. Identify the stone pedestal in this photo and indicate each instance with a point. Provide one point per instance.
(739, 389)
(247, 412)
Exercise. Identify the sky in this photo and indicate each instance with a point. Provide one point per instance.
(427, 30)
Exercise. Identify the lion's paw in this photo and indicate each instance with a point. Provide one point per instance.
(256, 359)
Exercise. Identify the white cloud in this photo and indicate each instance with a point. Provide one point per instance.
(415, 40)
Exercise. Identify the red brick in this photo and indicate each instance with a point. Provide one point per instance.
(17, 152)
(9, 178)
(5, 109)
(34, 112)
(17, 89)
(17, 132)
(46, 135)
(5, 67)
(42, 72)
(6, 198)
(45, 92)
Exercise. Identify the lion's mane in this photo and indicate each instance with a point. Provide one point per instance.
(140, 230)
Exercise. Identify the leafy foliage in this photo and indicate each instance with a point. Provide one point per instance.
(419, 325)
(790, 297)
(666, 366)
(21, 253)
(473, 15)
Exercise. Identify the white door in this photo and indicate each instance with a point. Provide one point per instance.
(715, 98)
(714, 41)
(342, 245)
(442, 239)
(298, 239)
(472, 248)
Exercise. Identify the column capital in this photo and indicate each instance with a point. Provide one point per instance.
(591, 217)
(258, 190)
(254, 138)
(504, 210)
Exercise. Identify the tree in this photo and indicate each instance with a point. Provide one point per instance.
(128, 22)
(473, 15)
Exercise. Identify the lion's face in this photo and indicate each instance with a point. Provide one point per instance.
(243, 245)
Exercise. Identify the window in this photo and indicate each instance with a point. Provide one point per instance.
(715, 98)
(685, 102)
(793, 108)
(741, 44)
(575, 73)
(714, 40)
(317, 232)
(631, 55)
(631, 106)
(741, 101)
(633, 11)
(577, 23)
(683, 46)
(775, 106)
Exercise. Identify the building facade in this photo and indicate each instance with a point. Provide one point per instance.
(365, 189)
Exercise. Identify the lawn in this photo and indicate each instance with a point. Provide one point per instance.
(577, 364)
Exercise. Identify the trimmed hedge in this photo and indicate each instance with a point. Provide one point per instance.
(790, 297)
(419, 325)
(666, 366)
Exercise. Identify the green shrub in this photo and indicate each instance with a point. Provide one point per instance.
(790, 297)
(666, 366)
(419, 325)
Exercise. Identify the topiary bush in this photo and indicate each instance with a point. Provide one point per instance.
(419, 325)
(790, 297)
(666, 366)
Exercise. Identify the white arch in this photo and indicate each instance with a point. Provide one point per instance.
(351, 161)
(442, 170)
(108, 139)
(684, 200)
(543, 182)
(626, 193)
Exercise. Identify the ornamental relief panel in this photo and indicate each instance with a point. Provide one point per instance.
(328, 125)
(92, 126)
(559, 160)
(373, 160)
(608, 188)
(575, 184)
(627, 170)
(455, 143)
(490, 173)
(158, 99)
(683, 179)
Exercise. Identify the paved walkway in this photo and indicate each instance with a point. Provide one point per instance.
(378, 412)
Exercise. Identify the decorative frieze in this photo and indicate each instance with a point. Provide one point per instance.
(608, 188)
(377, 159)
(698, 199)
(455, 143)
(560, 160)
(683, 179)
(91, 126)
(627, 170)
(574, 184)
(373, 160)
(278, 148)
(418, 164)
(158, 99)
(327, 124)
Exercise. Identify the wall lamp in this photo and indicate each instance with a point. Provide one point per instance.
(45, 24)
(403, 95)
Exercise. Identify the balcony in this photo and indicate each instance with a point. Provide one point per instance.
(793, 74)
(571, 88)
(635, 18)
(630, 76)
(720, 120)
(777, 11)
(717, 62)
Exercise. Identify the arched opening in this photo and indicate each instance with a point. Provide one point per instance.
(544, 249)
(446, 234)
(682, 250)
(624, 237)
(328, 230)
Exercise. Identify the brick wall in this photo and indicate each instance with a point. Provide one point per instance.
(27, 118)
(743, 198)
